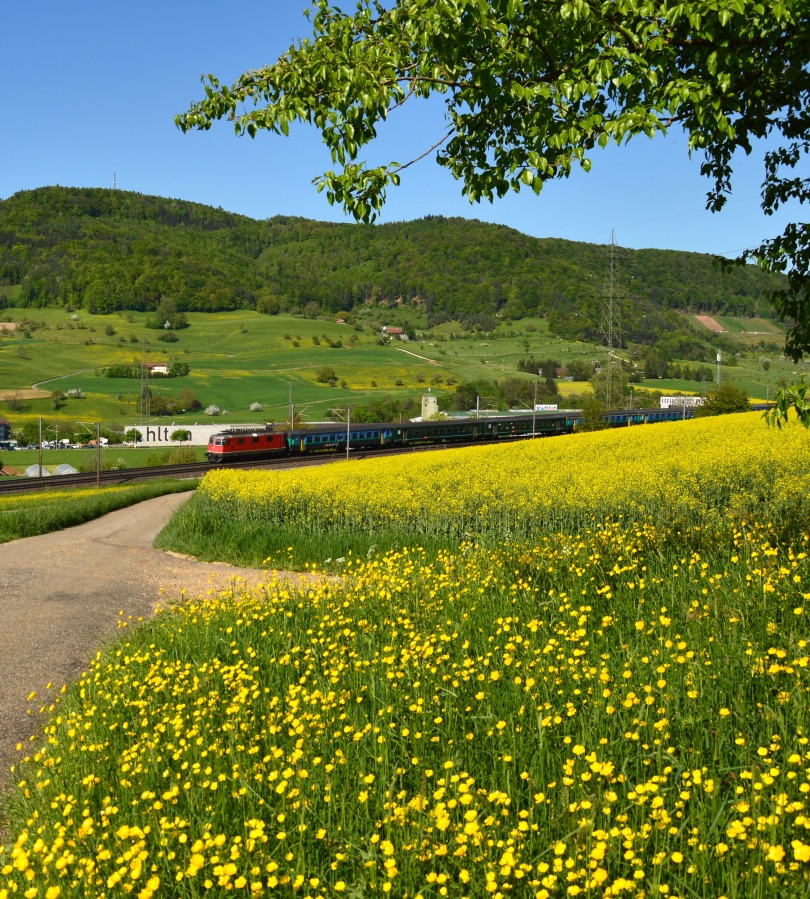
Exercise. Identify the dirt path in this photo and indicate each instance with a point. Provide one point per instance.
(60, 599)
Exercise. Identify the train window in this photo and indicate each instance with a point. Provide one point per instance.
(240, 439)
(255, 439)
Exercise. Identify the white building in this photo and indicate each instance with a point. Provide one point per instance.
(667, 402)
(161, 434)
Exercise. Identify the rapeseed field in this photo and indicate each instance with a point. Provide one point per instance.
(611, 703)
(686, 473)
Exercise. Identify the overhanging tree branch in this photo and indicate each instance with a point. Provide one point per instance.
(531, 87)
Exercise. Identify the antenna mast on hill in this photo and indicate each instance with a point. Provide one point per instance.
(610, 386)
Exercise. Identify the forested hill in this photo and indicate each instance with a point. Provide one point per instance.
(106, 250)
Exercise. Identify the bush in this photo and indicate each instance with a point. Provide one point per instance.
(183, 455)
(723, 400)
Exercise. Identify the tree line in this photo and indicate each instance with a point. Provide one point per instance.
(106, 251)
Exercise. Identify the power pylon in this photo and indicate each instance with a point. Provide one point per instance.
(610, 382)
(145, 398)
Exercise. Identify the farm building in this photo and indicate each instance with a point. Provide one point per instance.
(390, 331)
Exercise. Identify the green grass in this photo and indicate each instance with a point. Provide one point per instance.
(85, 459)
(614, 710)
(28, 515)
(197, 530)
(238, 358)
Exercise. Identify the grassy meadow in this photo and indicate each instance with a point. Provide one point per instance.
(569, 667)
(239, 358)
(31, 514)
(85, 459)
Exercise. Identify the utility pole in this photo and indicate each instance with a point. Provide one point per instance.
(534, 407)
(611, 332)
(292, 409)
(348, 429)
(98, 454)
(40, 446)
(719, 357)
(145, 401)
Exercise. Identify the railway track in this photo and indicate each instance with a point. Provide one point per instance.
(194, 470)
(188, 471)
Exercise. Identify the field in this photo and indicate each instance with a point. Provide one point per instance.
(688, 476)
(30, 514)
(588, 679)
(240, 358)
(17, 461)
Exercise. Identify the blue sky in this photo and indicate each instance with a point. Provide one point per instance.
(91, 90)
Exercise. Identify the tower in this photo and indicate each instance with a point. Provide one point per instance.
(610, 383)
(145, 396)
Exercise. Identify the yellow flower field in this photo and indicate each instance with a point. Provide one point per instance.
(593, 682)
(580, 717)
(685, 472)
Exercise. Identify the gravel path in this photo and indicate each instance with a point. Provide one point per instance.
(60, 599)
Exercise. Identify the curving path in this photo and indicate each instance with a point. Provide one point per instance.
(60, 599)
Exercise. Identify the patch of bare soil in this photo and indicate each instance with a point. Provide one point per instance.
(712, 324)
(25, 393)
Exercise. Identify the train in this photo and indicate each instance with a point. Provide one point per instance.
(244, 444)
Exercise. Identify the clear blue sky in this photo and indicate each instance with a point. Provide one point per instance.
(91, 89)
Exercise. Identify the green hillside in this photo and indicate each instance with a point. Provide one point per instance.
(104, 250)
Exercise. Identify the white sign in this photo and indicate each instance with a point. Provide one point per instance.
(669, 401)
(161, 434)
(545, 407)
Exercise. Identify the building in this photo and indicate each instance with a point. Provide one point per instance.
(667, 402)
(160, 434)
(5, 429)
(389, 331)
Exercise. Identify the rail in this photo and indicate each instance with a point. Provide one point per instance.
(192, 470)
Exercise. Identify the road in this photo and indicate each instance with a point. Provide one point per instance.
(60, 599)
